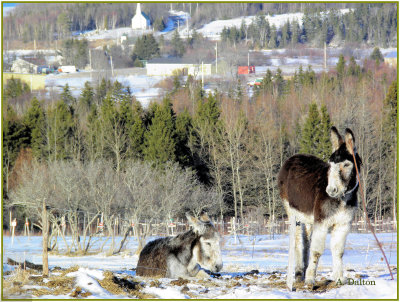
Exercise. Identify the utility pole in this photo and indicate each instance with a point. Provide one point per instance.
(187, 27)
(325, 56)
(248, 59)
(112, 67)
(216, 57)
(90, 62)
(202, 75)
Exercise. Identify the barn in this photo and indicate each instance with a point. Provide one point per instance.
(168, 66)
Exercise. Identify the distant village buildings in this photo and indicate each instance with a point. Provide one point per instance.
(391, 58)
(168, 66)
(140, 20)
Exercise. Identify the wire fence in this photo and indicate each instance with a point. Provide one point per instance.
(159, 228)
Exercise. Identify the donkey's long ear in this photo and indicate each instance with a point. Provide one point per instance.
(350, 141)
(204, 217)
(336, 139)
(196, 224)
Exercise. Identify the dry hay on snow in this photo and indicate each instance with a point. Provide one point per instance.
(24, 283)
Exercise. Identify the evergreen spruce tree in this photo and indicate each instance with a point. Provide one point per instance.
(15, 88)
(178, 47)
(93, 144)
(309, 143)
(136, 132)
(377, 56)
(324, 142)
(87, 98)
(315, 134)
(101, 91)
(159, 140)
(60, 131)
(208, 112)
(146, 47)
(183, 133)
(279, 83)
(15, 137)
(66, 96)
(273, 41)
(35, 121)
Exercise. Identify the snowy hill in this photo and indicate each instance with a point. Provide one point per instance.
(213, 29)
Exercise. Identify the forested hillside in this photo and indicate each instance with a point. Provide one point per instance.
(366, 23)
(234, 146)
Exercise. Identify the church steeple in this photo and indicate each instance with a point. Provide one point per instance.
(138, 10)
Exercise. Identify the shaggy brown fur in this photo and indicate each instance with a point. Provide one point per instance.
(153, 259)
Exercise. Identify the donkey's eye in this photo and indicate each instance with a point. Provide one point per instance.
(346, 165)
(208, 243)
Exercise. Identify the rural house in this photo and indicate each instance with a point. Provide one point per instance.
(23, 66)
(167, 67)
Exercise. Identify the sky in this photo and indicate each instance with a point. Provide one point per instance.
(7, 7)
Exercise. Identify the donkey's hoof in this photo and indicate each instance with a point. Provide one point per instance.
(309, 282)
(298, 276)
(202, 275)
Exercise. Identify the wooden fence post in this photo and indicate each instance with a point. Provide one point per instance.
(45, 236)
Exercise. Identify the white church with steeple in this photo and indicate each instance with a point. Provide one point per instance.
(140, 20)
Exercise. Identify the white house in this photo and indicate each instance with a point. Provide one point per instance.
(140, 20)
(23, 66)
(167, 67)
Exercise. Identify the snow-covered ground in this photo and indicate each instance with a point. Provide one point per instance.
(214, 28)
(254, 268)
(141, 86)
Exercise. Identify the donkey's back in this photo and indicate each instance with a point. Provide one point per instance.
(301, 181)
(153, 258)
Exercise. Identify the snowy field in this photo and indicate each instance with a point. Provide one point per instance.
(254, 268)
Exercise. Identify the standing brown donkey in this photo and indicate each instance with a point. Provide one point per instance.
(323, 197)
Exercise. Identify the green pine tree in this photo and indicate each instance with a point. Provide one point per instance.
(159, 140)
(178, 47)
(146, 47)
(183, 134)
(324, 142)
(66, 96)
(60, 131)
(310, 133)
(35, 120)
(340, 66)
(377, 56)
(87, 98)
(136, 132)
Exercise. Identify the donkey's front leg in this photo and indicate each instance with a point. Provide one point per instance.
(338, 240)
(317, 248)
